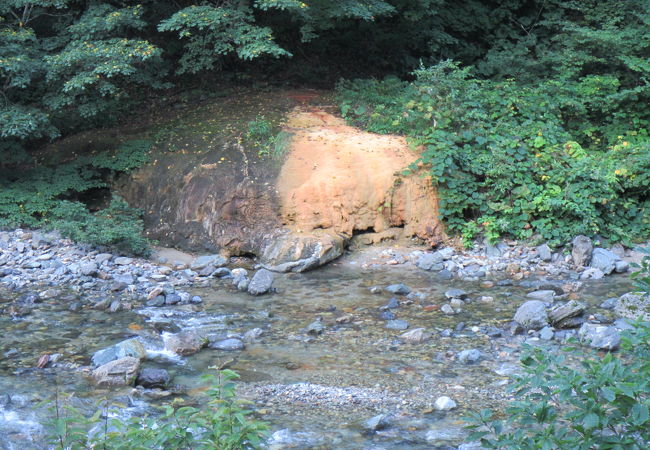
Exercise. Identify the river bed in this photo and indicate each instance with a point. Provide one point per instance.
(315, 389)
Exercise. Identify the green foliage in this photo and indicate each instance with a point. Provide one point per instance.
(224, 423)
(601, 404)
(45, 197)
(511, 158)
(212, 32)
(642, 275)
(261, 134)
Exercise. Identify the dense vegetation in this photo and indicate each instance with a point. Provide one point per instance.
(540, 128)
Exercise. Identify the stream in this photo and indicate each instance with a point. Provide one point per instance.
(315, 389)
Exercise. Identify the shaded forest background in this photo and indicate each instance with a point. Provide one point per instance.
(533, 113)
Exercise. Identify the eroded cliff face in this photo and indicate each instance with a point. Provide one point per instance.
(294, 214)
(339, 178)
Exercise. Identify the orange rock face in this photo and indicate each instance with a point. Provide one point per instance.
(339, 178)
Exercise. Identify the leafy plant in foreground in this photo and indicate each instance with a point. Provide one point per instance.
(223, 423)
(604, 403)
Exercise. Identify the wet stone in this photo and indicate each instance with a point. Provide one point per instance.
(469, 356)
(444, 403)
(315, 328)
(228, 345)
(392, 304)
(152, 378)
(387, 315)
(397, 324)
(455, 293)
(261, 283)
(532, 315)
(398, 289)
(546, 333)
(121, 372)
(378, 422)
(157, 301)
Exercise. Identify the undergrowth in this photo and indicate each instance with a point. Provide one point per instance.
(48, 197)
(559, 158)
(224, 423)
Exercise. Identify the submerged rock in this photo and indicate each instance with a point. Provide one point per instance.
(469, 356)
(228, 345)
(398, 289)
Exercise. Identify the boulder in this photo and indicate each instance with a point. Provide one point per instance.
(633, 306)
(601, 337)
(261, 282)
(582, 250)
(571, 308)
(379, 422)
(604, 260)
(130, 347)
(430, 261)
(121, 372)
(532, 315)
(153, 378)
(184, 343)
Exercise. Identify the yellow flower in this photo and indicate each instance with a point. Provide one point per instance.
(625, 143)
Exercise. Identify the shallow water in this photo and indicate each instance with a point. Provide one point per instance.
(400, 379)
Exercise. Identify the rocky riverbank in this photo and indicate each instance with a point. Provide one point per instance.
(381, 331)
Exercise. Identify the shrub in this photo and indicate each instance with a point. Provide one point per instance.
(47, 196)
(223, 423)
(602, 404)
(514, 159)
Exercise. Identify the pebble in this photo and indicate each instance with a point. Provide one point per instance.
(397, 324)
(444, 403)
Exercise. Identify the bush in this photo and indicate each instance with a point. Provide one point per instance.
(602, 404)
(515, 160)
(223, 423)
(47, 196)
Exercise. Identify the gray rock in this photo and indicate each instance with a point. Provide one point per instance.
(546, 333)
(222, 272)
(316, 327)
(604, 260)
(447, 309)
(592, 274)
(392, 304)
(184, 343)
(445, 274)
(468, 356)
(610, 303)
(428, 261)
(157, 301)
(130, 347)
(102, 258)
(228, 345)
(545, 295)
(397, 324)
(153, 378)
(415, 336)
(532, 315)
(455, 293)
(601, 337)
(126, 278)
(204, 261)
(195, 300)
(456, 303)
(621, 266)
(571, 308)
(493, 251)
(379, 422)
(123, 261)
(444, 403)
(261, 282)
(121, 372)
(172, 299)
(581, 251)
(398, 289)
(253, 335)
(544, 252)
(88, 269)
(387, 315)
(633, 306)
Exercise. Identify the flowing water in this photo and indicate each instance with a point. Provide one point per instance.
(354, 370)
